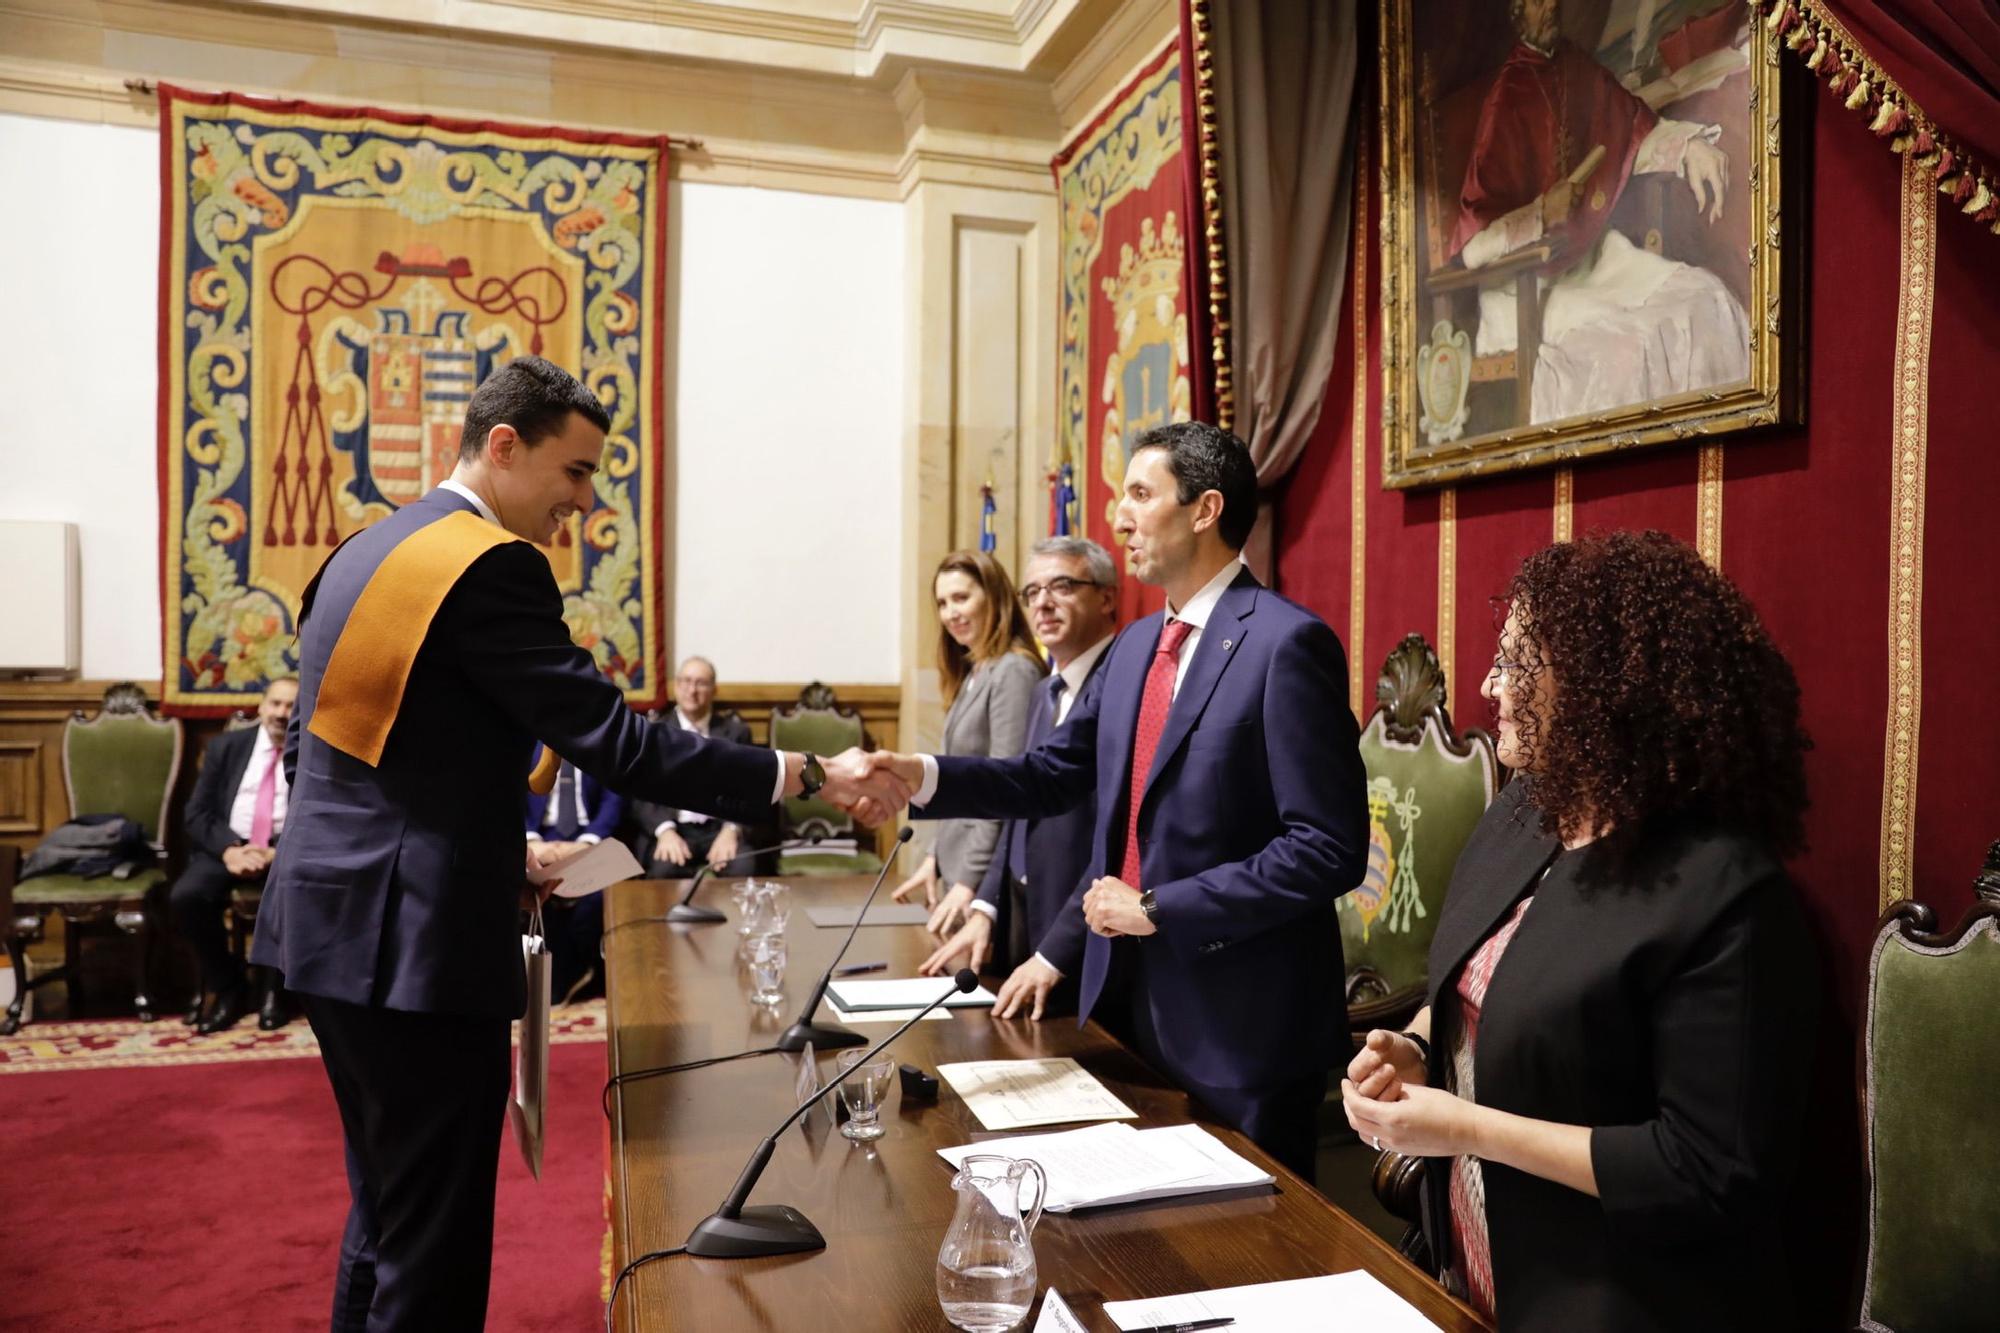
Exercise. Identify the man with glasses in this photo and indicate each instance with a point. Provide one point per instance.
(682, 841)
(1031, 899)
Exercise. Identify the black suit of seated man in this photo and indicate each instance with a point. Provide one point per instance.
(676, 844)
(224, 851)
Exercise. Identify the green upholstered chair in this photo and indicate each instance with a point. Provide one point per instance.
(820, 724)
(121, 762)
(1427, 789)
(1931, 1056)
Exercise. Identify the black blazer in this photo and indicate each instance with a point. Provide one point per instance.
(723, 725)
(222, 768)
(1671, 1009)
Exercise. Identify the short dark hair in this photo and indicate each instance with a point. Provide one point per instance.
(1208, 458)
(533, 396)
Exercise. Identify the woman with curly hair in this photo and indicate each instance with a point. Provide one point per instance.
(1610, 1071)
(988, 666)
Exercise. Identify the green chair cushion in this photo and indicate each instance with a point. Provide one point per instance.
(829, 863)
(58, 890)
(122, 765)
(1933, 1052)
(1423, 803)
(820, 732)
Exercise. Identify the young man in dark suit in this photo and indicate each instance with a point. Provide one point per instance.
(234, 817)
(1028, 912)
(1230, 812)
(433, 657)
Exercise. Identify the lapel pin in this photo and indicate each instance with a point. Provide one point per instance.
(1227, 644)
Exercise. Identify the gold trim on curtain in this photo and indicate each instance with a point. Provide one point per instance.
(1910, 424)
(1357, 560)
(1563, 516)
(1447, 627)
(1211, 214)
(1708, 504)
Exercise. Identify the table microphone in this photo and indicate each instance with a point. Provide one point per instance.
(683, 912)
(735, 1232)
(830, 1036)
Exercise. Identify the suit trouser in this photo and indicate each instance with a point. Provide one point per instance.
(197, 901)
(1281, 1118)
(422, 1098)
(699, 838)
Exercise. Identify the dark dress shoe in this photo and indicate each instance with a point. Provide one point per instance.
(230, 1005)
(275, 1013)
(192, 1018)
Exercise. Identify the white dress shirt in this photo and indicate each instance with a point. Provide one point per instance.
(243, 809)
(700, 729)
(486, 512)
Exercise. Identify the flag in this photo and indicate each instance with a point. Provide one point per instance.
(1064, 503)
(988, 540)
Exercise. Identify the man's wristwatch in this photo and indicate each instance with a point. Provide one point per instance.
(811, 776)
(1150, 906)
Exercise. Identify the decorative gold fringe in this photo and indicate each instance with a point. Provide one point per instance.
(1830, 51)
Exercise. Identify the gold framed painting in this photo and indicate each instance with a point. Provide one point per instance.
(1584, 240)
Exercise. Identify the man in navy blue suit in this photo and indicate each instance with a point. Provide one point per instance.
(433, 656)
(1028, 911)
(1230, 812)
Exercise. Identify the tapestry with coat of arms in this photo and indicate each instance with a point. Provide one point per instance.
(334, 285)
(1128, 249)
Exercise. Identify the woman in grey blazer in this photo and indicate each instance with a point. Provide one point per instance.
(988, 667)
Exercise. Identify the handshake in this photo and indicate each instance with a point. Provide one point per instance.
(873, 785)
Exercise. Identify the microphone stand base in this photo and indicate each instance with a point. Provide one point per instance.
(820, 1036)
(765, 1229)
(687, 915)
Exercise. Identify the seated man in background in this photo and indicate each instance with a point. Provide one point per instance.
(1028, 914)
(682, 841)
(577, 812)
(233, 820)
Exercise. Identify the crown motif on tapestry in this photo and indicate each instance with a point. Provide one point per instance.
(1150, 272)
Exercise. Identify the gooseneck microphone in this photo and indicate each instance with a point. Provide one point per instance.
(684, 911)
(830, 1036)
(736, 1232)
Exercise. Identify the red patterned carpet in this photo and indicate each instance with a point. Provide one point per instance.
(156, 1181)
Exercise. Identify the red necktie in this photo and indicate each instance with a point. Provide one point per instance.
(1154, 705)
(263, 813)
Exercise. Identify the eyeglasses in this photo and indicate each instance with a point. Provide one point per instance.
(695, 682)
(1062, 587)
(1504, 669)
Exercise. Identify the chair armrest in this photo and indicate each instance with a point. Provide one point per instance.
(10, 870)
(1507, 266)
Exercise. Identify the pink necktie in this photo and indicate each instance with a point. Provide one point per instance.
(267, 804)
(1154, 705)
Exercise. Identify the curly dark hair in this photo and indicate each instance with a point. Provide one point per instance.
(1668, 697)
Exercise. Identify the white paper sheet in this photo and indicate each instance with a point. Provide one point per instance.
(1056, 1316)
(1019, 1094)
(1342, 1300)
(905, 993)
(1115, 1163)
(884, 1015)
(595, 867)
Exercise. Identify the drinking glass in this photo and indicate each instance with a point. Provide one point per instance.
(767, 969)
(740, 893)
(778, 899)
(759, 914)
(862, 1087)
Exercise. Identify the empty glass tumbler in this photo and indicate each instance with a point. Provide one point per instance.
(766, 953)
(863, 1087)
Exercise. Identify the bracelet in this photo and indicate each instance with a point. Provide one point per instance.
(1423, 1046)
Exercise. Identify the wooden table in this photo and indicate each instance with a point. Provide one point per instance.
(678, 1142)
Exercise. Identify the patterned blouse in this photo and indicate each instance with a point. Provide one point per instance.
(1468, 1187)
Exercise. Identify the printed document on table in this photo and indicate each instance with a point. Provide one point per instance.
(905, 993)
(1115, 1163)
(938, 1015)
(1098, 1164)
(1342, 1300)
(596, 867)
(1018, 1094)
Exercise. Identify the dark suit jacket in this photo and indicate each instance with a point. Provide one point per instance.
(1058, 854)
(222, 769)
(606, 809)
(398, 885)
(1252, 822)
(723, 725)
(1671, 1008)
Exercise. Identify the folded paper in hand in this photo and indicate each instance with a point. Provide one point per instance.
(584, 872)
